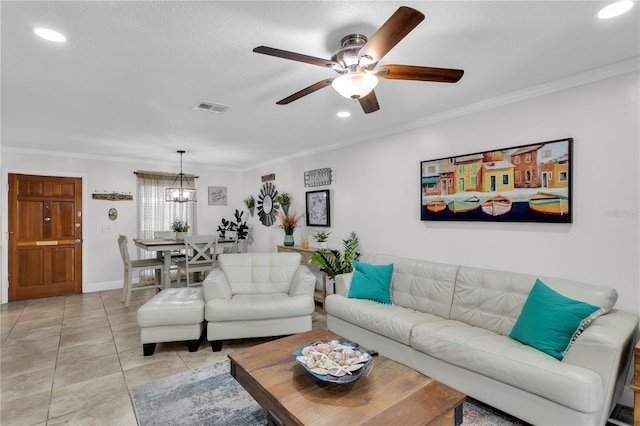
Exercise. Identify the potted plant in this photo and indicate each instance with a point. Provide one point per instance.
(231, 230)
(250, 202)
(180, 227)
(285, 201)
(289, 223)
(321, 238)
(333, 262)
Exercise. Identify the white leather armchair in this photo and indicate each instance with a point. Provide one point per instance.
(257, 295)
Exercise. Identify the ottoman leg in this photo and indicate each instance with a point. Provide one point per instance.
(216, 345)
(193, 345)
(148, 348)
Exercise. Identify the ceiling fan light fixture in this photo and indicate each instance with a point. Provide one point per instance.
(355, 85)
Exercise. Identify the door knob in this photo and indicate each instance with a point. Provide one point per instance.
(47, 219)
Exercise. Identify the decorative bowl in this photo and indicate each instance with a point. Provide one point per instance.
(346, 378)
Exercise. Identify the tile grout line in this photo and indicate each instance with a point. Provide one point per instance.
(55, 366)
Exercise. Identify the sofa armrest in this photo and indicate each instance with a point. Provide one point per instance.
(343, 282)
(606, 347)
(216, 286)
(303, 282)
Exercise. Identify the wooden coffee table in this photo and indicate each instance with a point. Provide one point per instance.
(389, 393)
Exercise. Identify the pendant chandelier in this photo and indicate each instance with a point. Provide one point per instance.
(180, 192)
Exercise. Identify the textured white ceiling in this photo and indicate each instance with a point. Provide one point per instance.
(125, 82)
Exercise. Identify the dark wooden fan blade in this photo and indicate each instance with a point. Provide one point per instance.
(306, 91)
(296, 57)
(410, 72)
(369, 103)
(391, 32)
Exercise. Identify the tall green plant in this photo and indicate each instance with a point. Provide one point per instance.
(332, 262)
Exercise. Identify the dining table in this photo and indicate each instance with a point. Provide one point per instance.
(164, 248)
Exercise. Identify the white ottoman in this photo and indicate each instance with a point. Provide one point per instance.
(174, 314)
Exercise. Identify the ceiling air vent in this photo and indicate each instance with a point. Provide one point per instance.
(211, 107)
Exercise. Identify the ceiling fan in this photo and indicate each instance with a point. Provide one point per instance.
(357, 62)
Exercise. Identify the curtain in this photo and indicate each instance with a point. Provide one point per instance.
(156, 214)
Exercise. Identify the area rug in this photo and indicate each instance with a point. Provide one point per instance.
(209, 395)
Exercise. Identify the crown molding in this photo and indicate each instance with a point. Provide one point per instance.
(580, 79)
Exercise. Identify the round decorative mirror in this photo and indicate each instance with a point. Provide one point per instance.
(266, 204)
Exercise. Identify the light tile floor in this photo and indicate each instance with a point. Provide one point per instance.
(71, 360)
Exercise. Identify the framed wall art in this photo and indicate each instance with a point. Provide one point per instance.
(527, 183)
(318, 208)
(217, 195)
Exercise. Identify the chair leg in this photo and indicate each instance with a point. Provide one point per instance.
(179, 273)
(129, 287)
(124, 286)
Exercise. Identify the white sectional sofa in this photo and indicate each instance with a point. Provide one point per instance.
(452, 323)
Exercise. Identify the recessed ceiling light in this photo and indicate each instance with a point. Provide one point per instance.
(50, 35)
(344, 114)
(615, 9)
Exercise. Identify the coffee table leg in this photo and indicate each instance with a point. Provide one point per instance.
(458, 415)
(273, 420)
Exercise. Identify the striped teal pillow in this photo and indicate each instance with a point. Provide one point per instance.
(549, 321)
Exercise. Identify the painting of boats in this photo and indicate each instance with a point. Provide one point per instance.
(461, 206)
(437, 205)
(524, 183)
(496, 205)
(546, 203)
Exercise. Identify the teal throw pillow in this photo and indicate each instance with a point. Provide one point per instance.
(371, 282)
(550, 321)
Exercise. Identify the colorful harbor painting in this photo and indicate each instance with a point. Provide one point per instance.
(527, 183)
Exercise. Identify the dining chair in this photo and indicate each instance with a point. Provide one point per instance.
(130, 266)
(176, 255)
(201, 251)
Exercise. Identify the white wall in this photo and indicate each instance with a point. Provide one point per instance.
(102, 265)
(377, 190)
(376, 193)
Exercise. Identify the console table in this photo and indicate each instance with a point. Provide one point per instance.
(305, 255)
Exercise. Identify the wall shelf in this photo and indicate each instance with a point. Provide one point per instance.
(114, 196)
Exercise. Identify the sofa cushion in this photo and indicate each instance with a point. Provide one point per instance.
(421, 285)
(509, 361)
(372, 282)
(391, 321)
(249, 273)
(549, 321)
(493, 299)
(258, 306)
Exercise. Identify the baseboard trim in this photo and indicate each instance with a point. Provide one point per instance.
(108, 285)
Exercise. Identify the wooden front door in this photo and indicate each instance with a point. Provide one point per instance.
(45, 236)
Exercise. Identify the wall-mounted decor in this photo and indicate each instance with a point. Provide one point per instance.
(267, 204)
(318, 208)
(318, 177)
(217, 195)
(113, 213)
(527, 183)
(269, 177)
(112, 196)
